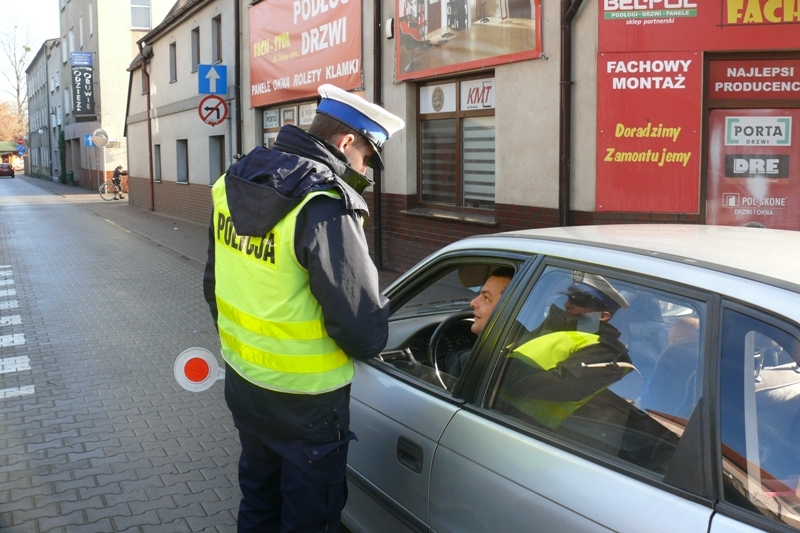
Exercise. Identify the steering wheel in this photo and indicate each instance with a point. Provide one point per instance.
(439, 332)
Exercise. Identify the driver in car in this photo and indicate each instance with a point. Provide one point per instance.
(575, 354)
(482, 305)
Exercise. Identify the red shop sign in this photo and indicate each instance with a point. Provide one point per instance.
(760, 79)
(753, 174)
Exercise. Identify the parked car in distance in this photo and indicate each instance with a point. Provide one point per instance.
(695, 427)
(6, 170)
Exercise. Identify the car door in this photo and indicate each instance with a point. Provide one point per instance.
(609, 463)
(759, 412)
(401, 403)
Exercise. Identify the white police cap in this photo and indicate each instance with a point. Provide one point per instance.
(372, 121)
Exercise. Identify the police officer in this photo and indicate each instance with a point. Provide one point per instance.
(295, 298)
(575, 355)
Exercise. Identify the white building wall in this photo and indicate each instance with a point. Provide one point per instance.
(175, 104)
(102, 27)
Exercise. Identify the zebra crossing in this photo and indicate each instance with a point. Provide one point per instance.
(9, 341)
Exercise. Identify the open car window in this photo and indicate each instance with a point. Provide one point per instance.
(431, 328)
(624, 385)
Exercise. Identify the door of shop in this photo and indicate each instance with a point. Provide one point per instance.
(753, 134)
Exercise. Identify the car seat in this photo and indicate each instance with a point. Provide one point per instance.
(675, 386)
(648, 333)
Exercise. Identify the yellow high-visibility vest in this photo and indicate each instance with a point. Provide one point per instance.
(271, 327)
(547, 351)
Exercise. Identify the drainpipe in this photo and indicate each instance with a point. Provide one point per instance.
(377, 96)
(569, 8)
(49, 131)
(147, 54)
(238, 76)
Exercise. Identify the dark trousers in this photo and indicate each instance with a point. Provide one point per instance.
(290, 486)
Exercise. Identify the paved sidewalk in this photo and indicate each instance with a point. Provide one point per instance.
(96, 436)
(187, 238)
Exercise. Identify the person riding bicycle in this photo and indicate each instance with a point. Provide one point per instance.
(117, 180)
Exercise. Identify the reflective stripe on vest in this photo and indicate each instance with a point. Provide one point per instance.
(271, 327)
(547, 351)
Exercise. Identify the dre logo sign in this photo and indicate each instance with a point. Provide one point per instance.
(756, 166)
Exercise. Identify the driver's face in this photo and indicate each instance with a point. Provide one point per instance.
(486, 301)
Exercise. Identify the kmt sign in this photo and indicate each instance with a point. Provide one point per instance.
(477, 94)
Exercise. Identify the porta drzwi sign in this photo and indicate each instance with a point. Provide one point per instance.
(82, 83)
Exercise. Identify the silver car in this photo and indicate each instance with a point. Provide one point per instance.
(698, 432)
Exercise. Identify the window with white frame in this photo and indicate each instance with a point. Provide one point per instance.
(91, 18)
(64, 49)
(216, 39)
(140, 14)
(80, 31)
(71, 40)
(182, 156)
(173, 60)
(157, 162)
(195, 49)
(457, 143)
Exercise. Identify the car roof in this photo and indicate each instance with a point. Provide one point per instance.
(750, 252)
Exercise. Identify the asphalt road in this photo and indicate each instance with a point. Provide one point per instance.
(97, 299)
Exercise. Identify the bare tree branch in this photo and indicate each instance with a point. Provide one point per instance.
(15, 51)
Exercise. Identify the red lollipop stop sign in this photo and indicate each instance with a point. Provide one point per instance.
(196, 369)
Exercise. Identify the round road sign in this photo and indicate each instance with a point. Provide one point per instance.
(212, 110)
(100, 137)
(20, 141)
(196, 369)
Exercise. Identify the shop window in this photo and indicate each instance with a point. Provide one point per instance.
(457, 144)
(275, 118)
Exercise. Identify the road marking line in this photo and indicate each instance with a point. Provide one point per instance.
(10, 304)
(8, 292)
(6, 281)
(17, 391)
(14, 364)
(5, 272)
(5, 266)
(12, 320)
(17, 339)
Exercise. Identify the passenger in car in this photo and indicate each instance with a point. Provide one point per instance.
(483, 305)
(674, 387)
(575, 355)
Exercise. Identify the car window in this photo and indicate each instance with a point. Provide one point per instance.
(605, 363)
(760, 417)
(431, 328)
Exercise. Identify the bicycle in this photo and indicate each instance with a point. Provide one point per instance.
(110, 191)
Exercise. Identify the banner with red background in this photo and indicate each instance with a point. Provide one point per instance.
(753, 174)
(648, 123)
(639, 30)
(297, 45)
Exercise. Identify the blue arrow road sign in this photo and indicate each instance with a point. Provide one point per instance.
(212, 79)
(88, 141)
